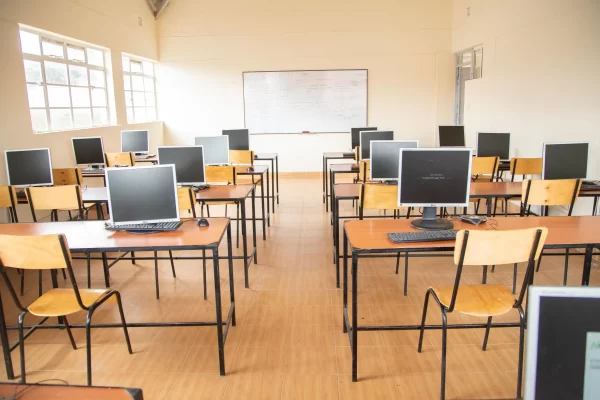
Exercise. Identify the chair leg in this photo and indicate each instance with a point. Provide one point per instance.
(88, 344)
(204, 271)
(89, 270)
(237, 227)
(120, 304)
(422, 330)
(133, 257)
(487, 334)
(444, 340)
(40, 282)
(156, 275)
(515, 279)
(22, 346)
(172, 263)
(405, 273)
(225, 210)
(566, 268)
(537, 269)
(521, 346)
(484, 275)
(64, 274)
(397, 263)
(22, 282)
(68, 329)
(207, 211)
(493, 268)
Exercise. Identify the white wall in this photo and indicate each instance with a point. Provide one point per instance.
(205, 46)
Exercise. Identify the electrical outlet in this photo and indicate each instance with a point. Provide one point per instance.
(468, 11)
(140, 21)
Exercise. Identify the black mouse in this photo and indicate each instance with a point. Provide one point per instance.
(203, 222)
(250, 169)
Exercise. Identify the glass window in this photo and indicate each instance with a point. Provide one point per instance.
(139, 78)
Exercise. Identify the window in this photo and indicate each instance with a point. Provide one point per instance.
(66, 82)
(469, 65)
(140, 89)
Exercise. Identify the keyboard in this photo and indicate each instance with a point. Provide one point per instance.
(422, 236)
(144, 156)
(92, 170)
(158, 226)
(590, 187)
(348, 154)
(200, 187)
(21, 194)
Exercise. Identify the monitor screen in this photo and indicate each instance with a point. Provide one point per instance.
(142, 194)
(134, 141)
(493, 145)
(452, 136)
(239, 139)
(188, 161)
(434, 177)
(88, 151)
(365, 141)
(385, 155)
(355, 135)
(32, 167)
(216, 149)
(565, 161)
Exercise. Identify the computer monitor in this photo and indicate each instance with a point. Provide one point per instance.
(384, 158)
(431, 178)
(140, 195)
(134, 141)
(239, 139)
(452, 136)
(88, 151)
(563, 343)
(493, 145)
(355, 135)
(31, 167)
(188, 161)
(216, 149)
(365, 141)
(565, 160)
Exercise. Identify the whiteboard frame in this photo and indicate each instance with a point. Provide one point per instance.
(303, 70)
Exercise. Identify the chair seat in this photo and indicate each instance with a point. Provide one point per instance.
(58, 302)
(478, 300)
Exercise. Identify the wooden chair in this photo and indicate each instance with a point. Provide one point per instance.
(241, 157)
(8, 199)
(364, 171)
(222, 174)
(73, 176)
(482, 168)
(51, 252)
(487, 247)
(115, 159)
(55, 198)
(525, 166)
(357, 154)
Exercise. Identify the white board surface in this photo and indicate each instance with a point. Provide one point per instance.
(299, 101)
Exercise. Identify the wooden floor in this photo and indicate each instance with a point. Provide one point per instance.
(289, 342)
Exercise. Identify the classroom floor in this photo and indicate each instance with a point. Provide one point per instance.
(288, 343)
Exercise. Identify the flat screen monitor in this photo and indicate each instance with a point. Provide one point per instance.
(216, 149)
(563, 343)
(134, 141)
(140, 195)
(493, 145)
(565, 160)
(452, 136)
(365, 141)
(188, 161)
(385, 155)
(432, 178)
(88, 151)
(31, 167)
(239, 139)
(355, 135)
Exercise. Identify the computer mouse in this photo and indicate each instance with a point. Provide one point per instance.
(250, 169)
(203, 222)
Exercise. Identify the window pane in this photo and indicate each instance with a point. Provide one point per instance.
(82, 117)
(150, 100)
(97, 78)
(78, 75)
(60, 120)
(128, 99)
(52, 49)
(125, 64)
(99, 97)
(138, 99)
(39, 122)
(137, 82)
(149, 84)
(151, 113)
(75, 54)
(80, 97)
(55, 72)
(130, 115)
(33, 71)
(127, 82)
(148, 68)
(136, 66)
(100, 116)
(58, 96)
(95, 57)
(36, 96)
(140, 114)
(30, 43)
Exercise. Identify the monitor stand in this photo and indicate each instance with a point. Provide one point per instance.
(390, 182)
(430, 221)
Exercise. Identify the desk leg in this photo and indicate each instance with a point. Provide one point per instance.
(587, 266)
(277, 176)
(273, 182)
(264, 216)
(336, 249)
(268, 204)
(489, 207)
(254, 221)
(354, 317)
(10, 374)
(331, 179)
(595, 206)
(324, 179)
(345, 288)
(230, 263)
(219, 311)
(244, 243)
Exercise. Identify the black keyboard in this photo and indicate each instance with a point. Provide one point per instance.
(21, 194)
(589, 187)
(348, 154)
(92, 171)
(422, 236)
(144, 156)
(158, 226)
(200, 187)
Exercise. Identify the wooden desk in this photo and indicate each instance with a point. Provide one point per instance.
(326, 157)
(274, 159)
(339, 169)
(90, 236)
(260, 171)
(67, 392)
(370, 236)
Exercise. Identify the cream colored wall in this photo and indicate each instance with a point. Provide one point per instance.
(205, 46)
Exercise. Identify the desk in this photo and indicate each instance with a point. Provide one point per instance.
(90, 236)
(260, 171)
(326, 157)
(370, 236)
(274, 159)
(339, 169)
(67, 392)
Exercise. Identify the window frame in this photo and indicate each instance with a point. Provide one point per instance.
(128, 73)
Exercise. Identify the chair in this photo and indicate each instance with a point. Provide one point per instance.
(222, 174)
(241, 157)
(73, 176)
(51, 252)
(482, 167)
(364, 171)
(357, 153)
(486, 247)
(8, 199)
(525, 166)
(115, 159)
(55, 198)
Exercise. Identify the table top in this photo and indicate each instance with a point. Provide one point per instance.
(67, 392)
(214, 192)
(265, 156)
(258, 170)
(343, 168)
(84, 236)
(337, 154)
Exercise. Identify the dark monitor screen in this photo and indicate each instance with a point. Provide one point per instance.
(134, 141)
(216, 149)
(31, 167)
(142, 194)
(239, 139)
(493, 145)
(434, 177)
(565, 161)
(355, 135)
(188, 161)
(452, 136)
(365, 141)
(385, 155)
(88, 151)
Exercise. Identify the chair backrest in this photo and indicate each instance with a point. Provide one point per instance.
(364, 168)
(550, 192)
(525, 166)
(220, 174)
(186, 199)
(66, 197)
(378, 196)
(8, 199)
(113, 159)
(241, 157)
(67, 176)
(485, 166)
(357, 153)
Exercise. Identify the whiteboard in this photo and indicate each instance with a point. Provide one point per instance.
(300, 101)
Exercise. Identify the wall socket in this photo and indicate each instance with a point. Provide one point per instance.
(468, 11)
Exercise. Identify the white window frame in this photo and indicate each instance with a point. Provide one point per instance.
(128, 74)
(67, 42)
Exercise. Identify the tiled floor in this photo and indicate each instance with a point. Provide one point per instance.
(288, 343)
